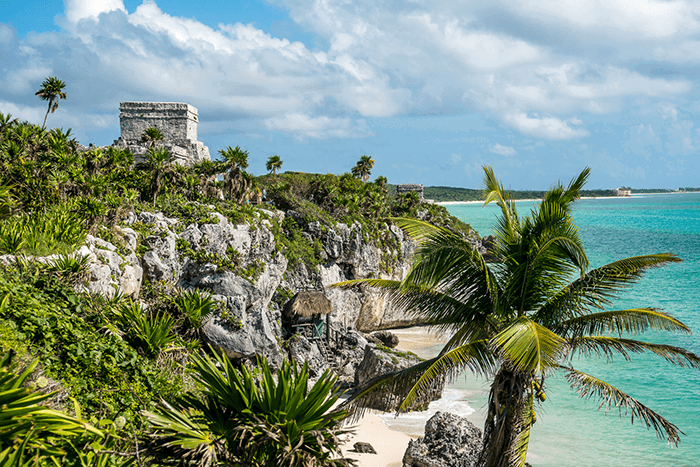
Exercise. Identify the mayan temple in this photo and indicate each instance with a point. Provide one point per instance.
(176, 121)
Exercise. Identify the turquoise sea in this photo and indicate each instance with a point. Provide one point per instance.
(571, 431)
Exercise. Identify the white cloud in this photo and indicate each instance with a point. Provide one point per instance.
(318, 127)
(480, 50)
(82, 9)
(543, 127)
(646, 18)
(502, 150)
(381, 59)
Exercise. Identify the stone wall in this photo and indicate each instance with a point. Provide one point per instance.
(177, 122)
(410, 187)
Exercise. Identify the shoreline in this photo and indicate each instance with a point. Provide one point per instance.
(389, 443)
(636, 195)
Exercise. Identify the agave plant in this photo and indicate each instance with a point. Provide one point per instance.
(71, 268)
(149, 332)
(241, 420)
(196, 306)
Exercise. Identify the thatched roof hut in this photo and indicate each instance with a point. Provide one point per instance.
(307, 304)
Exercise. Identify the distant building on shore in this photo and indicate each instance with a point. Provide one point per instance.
(177, 122)
(410, 188)
(622, 192)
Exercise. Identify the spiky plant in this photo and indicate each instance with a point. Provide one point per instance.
(29, 431)
(244, 420)
(149, 332)
(525, 316)
(196, 306)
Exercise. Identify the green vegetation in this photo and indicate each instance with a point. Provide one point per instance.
(526, 315)
(51, 90)
(274, 163)
(241, 419)
(363, 168)
(446, 193)
(116, 358)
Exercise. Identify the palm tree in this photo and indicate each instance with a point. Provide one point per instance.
(157, 161)
(524, 316)
(237, 182)
(363, 168)
(274, 163)
(51, 90)
(151, 136)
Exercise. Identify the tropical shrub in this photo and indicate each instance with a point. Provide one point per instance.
(244, 420)
(196, 306)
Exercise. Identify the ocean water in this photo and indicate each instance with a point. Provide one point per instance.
(571, 431)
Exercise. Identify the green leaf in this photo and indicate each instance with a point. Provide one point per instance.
(529, 346)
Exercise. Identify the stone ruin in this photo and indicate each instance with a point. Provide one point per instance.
(176, 121)
(411, 187)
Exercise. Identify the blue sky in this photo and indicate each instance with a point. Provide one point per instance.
(432, 90)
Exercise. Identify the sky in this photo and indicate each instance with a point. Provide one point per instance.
(432, 90)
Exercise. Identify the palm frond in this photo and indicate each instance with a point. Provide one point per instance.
(474, 356)
(507, 224)
(386, 391)
(608, 346)
(596, 288)
(529, 346)
(522, 441)
(416, 229)
(632, 321)
(588, 386)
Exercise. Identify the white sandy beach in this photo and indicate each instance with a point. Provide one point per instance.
(389, 444)
(450, 203)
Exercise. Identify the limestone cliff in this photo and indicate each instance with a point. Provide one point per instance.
(242, 266)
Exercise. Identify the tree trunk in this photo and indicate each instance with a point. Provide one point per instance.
(503, 422)
(47, 115)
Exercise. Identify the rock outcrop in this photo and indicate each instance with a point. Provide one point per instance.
(241, 266)
(379, 360)
(449, 441)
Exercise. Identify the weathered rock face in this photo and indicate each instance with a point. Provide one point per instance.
(449, 441)
(381, 360)
(302, 350)
(184, 256)
(109, 271)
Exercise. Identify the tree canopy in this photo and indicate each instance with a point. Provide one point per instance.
(51, 90)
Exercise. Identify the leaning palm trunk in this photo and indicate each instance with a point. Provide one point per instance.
(503, 421)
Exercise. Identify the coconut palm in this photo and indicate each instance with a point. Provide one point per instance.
(51, 90)
(363, 168)
(525, 316)
(274, 163)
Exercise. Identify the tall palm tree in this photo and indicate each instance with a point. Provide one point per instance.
(363, 168)
(274, 163)
(51, 90)
(157, 161)
(524, 316)
(237, 182)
